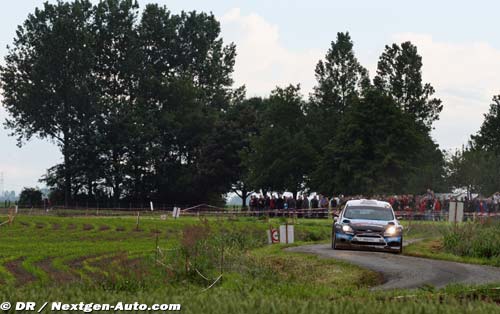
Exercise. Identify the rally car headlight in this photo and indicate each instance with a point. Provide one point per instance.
(392, 230)
(347, 228)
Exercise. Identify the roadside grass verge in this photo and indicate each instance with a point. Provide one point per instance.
(423, 229)
(434, 248)
(473, 243)
(301, 272)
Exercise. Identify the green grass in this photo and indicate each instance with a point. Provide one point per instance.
(433, 248)
(473, 243)
(423, 229)
(481, 240)
(107, 260)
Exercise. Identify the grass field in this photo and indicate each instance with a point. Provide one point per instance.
(474, 243)
(106, 260)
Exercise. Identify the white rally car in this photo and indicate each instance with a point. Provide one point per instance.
(367, 224)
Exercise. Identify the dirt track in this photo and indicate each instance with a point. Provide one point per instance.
(401, 271)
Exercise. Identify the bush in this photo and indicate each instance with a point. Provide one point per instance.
(210, 248)
(474, 240)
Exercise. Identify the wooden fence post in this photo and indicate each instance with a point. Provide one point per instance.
(137, 224)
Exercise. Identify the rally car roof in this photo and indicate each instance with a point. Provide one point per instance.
(366, 202)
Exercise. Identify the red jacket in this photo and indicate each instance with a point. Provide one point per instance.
(422, 206)
(437, 205)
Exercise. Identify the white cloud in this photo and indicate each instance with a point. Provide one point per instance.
(263, 62)
(465, 76)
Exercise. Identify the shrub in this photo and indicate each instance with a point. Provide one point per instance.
(207, 249)
(474, 240)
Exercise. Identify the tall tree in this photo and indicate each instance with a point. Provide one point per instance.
(185, 87)
(475, 169)
(137, 107)
(340, 82)
(117, 69)
(30, 197)
(243, 119)
(47, 82)
(280, 155)
(477, 166)
(372, 151)
(399, 74)
(340, 77)
(488, 137)
(430, 162)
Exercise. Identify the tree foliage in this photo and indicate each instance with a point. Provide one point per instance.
(372, 151)
(477, 166)
(474, 169)
(280, 156)
(30, 197)
(399, 74)
(340, 76)
(135, 103)
(488, 137)
(47, 83)
(340, 81)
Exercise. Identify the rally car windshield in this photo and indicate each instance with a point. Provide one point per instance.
(368, 213)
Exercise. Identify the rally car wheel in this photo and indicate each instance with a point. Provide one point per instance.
(400, 251)
(334, 241)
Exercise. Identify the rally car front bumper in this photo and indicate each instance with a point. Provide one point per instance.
(373, 241)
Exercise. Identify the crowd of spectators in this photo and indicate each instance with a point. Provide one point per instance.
(483, 205)
(420, 204)
(302, 201)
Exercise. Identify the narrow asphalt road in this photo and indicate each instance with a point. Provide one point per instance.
(401, 271)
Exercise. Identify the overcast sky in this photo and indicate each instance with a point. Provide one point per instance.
(279, 42)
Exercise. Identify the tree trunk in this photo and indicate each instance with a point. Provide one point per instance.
(116, 193)
(67, 176)
(91, 188)
(243, 196)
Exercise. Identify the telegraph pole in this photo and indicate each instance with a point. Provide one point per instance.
(1, 185)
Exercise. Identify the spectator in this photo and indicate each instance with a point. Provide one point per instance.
(429, 194)
(272, 202)
(253, 203)
(323, 202)
(333, 203)
(404, 202)
(422, 206)
(279, 202)
(299, 202)
(412, 202)
(261, 202)
(305, 202)
(437, 209)
(267, 202)
(395, 204)
(314, 202)
(291, 203)
(496, 201)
